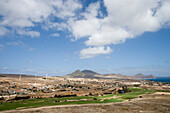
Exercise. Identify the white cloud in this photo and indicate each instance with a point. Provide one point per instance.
(32, 34)
(92, 10)
(84, 28)
(26, 13)
(163, 14)
(124, 19)
(15, 43)
(4, 68)
(22, 13)
(66, 8)
(61, 26)
(31, 49)
(108, 35)
(94, 51)
(56, 35)
(3, 31)
(88, 25)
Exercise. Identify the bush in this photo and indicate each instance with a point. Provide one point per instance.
(94, 98)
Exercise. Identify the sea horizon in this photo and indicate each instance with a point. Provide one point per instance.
(161, 79)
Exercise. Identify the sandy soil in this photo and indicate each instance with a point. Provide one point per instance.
(151, 103)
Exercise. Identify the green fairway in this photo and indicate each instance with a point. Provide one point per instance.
(33, 103)
(133, 93)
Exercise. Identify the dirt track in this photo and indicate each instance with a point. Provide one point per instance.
(152, 103)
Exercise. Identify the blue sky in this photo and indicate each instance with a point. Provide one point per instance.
(60, 36)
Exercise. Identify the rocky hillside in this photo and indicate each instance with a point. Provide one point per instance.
(89, 72)
(92, 74)
(140, 75)
(76, 74)
(83, 74)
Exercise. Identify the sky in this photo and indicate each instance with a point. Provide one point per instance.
(107, 36)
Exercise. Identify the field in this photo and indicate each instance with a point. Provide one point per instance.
(33, 103)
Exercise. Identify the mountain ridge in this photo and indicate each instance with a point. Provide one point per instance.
(91, 74)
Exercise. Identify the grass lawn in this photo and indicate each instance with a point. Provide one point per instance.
(133, 93)
(33, 103)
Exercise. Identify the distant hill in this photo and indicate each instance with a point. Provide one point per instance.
(76, 74)
(17, 75)
(140, 75)
(89, 72)
(83, 74)
(92, 74)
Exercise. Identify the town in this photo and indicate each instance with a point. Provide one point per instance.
(20, 88)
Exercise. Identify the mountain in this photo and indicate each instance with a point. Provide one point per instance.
(141, 76)
(89, 72)
(83, 74)
(92, 74)
(76, 74)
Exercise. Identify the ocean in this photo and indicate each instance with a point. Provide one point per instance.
(161, 79)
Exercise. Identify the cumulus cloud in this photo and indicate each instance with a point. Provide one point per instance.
(88, 25)
(125, 19)
(32, 34)
(84, 28)
(55, 35)
(3, 31)
(108, 35)
(121, 20)
(22, 13)
(163, 13)
(135, 16)
(26, 13)
(94, 51)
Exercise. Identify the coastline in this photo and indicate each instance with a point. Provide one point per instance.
(160, 79)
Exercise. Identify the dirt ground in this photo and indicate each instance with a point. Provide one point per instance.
(158, 102)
